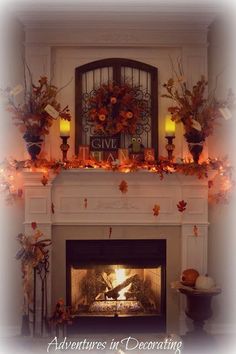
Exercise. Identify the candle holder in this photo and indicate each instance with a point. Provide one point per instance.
(64, 147)
(170, 147)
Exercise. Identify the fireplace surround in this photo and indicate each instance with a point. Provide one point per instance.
(60, 212)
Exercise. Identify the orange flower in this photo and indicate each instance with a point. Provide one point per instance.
(102, 114)
(129, 115)
(113, 100)
(102, 117)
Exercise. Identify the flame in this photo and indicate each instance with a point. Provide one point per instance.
(120, 278)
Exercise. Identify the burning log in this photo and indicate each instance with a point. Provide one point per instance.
(106, 280)
(114, 293)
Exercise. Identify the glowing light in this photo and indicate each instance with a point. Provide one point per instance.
(120, 278)
(64, 127)
(169, 126)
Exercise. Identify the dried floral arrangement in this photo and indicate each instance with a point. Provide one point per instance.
(114, 108)
(31, 253)
(40, 108)
(198, 110)
(61, 314)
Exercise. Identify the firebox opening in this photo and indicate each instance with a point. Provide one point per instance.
(117, 283)
(116, 290)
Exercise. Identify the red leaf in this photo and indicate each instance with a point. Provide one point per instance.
(210, 184)
(44, 180)
(156, 210)
(123, 187)
(20, 192)
(34, 225)
(181, 205)
(195, 231)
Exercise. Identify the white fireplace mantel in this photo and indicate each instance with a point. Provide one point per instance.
(63, 202)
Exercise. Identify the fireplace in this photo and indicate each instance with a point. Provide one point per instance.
(131, 220)
(119, 279)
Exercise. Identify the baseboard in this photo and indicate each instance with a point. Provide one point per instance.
(221, 328)
(9, 331)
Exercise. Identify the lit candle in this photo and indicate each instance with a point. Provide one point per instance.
(169, 126)
(64, 127)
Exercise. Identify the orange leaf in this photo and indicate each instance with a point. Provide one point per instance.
(34, 225)
(123, 187)
(156, 210)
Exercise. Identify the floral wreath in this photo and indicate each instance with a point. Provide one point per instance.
(116, 108)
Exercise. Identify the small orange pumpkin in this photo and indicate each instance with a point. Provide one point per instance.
(189, 277)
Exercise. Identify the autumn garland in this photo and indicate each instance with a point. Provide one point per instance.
(115, 109)
(219, 167)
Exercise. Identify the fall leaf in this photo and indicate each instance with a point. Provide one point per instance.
(34, 225)
(156, 210)
(20, 192)
(44, 180)
(123, 187)
(195, 231)
(181, 205)
(210, 184)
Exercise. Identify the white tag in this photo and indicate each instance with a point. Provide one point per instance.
(16, 90)
(196, 125)
(226, 113)
(51, 111)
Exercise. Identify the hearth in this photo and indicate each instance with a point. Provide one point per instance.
(119, 279)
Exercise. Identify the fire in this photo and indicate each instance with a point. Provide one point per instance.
(120, 278)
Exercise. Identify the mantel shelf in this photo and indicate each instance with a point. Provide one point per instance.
(97, 175)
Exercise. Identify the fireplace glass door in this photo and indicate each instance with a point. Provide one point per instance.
(116, 290)
(116, 278)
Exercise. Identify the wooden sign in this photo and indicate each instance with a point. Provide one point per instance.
(97, 155)
(110, 156)
(123, 155)
(104, 143)
(136, 157)
(84, 152)
(149, 155)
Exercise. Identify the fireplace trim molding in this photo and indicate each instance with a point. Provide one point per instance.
(62, 202)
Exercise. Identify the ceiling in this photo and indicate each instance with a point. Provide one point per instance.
(110, 13)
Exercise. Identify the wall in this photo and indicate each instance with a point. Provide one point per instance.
(221, 256)
(11, 145)
(57, 53)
